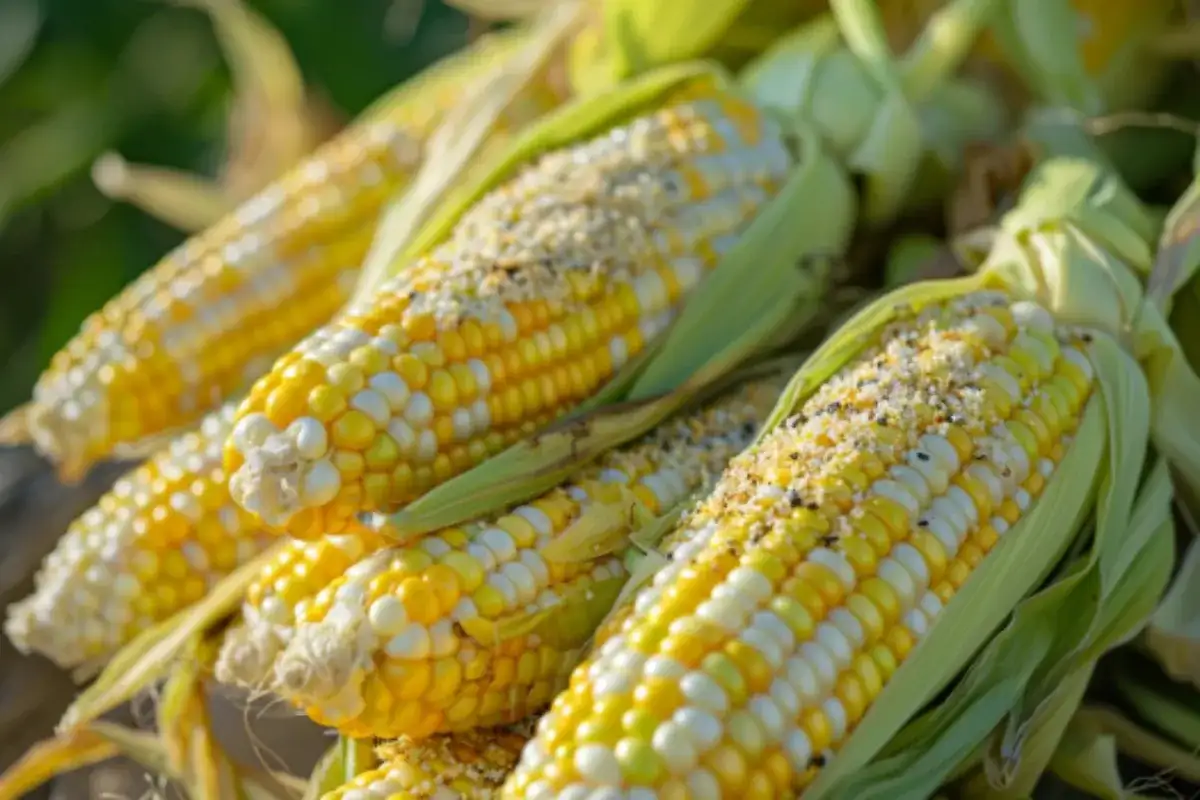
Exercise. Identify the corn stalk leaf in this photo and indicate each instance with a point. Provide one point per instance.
(1173, 635)
(1171, 708)
(1086, 757)
(45, 760)
(1136, 741)
(144, 660)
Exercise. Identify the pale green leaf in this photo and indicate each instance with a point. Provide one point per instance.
(340, 764)
(1173, 635)
(1087, 758)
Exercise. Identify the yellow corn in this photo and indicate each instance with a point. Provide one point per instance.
(156, 543)
(461, 766)
(544, 289)
(209, 318)
(825, 553)
(409, 642)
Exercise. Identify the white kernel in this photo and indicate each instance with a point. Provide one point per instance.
(611, 683)
(536, 565)
(1045, 467)
(660, 489)
(751, 584)
(915, 621)
(687, 271)
(427, 446)
(949, 511)
(373, 404)
(988, 329)
(985, 475)
(899, 493)
(436, 546)
(500, 542)
(597, 764)
(942, 451)
(849, 626)
(913, 480)
(785, 697)
(703, 727)
(1002, 377)
(618, 351)
(770, 623)
(410, 644)
(935, 477)
(768, 716)
(419, 409)
(836, 714)
(522, 580)
(822, 661)
(837, 563)
(462, 424)
(1023, 499)
(931, 604)
(912, 560)
(761, 641)
(442, 641)
(798, 749)
(1000, 525)
(673, 743)
(900, 579)
(833, 641)
(483, 378)
(481, 416)
(651, 291)
(187, 505)
(274, 610)
(537, 518)
(610, 475)
(322, 482)
(309, 435)
(964, 504)
(402, 433)
(629, 662)
(803, 678)
(702, 785)
(723, 612)
(945, 534)
(464, 609)
(705, 693)
(505, 587)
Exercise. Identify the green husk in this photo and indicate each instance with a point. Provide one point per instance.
(630, 37)
(1173, 635)
(1041, 42)
(1075, 243)
(340, 764)
(1087, 754)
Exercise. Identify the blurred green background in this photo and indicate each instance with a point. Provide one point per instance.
(148, 79)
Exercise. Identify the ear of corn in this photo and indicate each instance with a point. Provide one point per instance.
(208, 319)
(470, 766)
(475, 625)
(490, 336)
(158, 542)
(753, 295)
(924, 472)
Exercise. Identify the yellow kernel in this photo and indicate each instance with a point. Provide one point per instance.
(442, 390)
(816, 725)
(368, 359)
(932, 550)
(469, 571)
(346, 377)
(354, 430)
(419, 600)
(728, 766)
(326, 402)
(755, 669)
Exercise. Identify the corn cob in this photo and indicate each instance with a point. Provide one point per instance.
(470, 766)
(156, 543)
(430, 637)
(824, 555)
(544, 289)
(209, 318)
